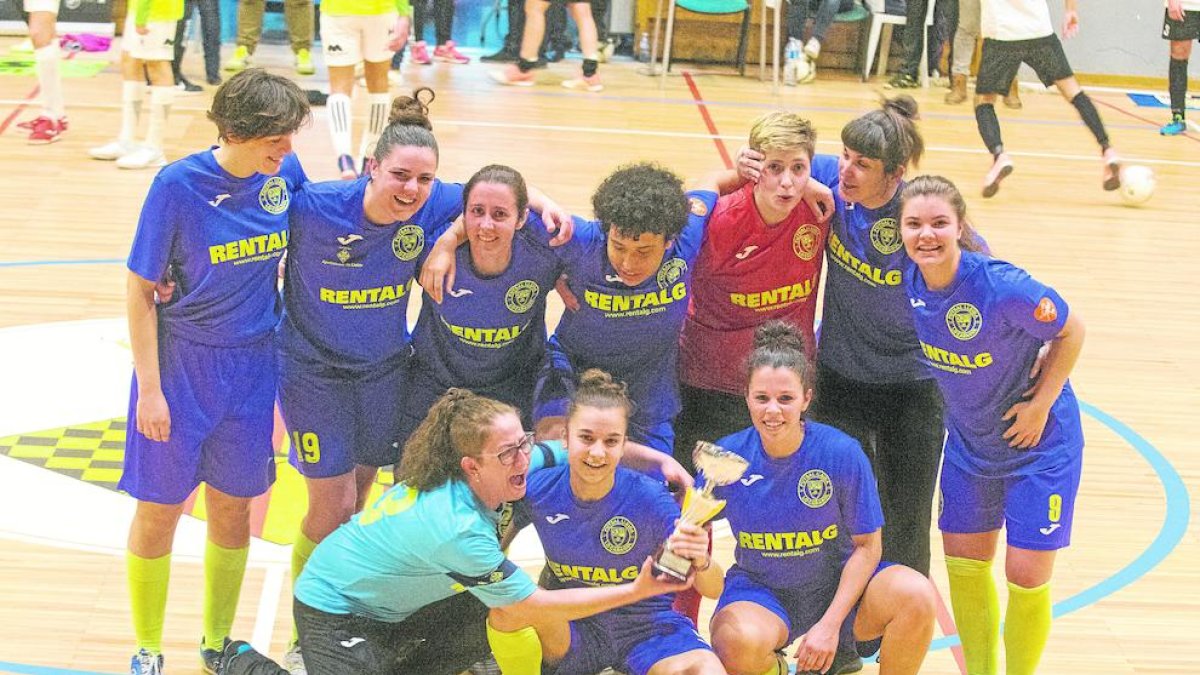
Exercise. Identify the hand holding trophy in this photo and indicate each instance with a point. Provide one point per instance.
(719, 467)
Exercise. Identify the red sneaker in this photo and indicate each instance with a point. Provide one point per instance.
(419, 53)
(44, 130)
(513, 77)
(449, 53)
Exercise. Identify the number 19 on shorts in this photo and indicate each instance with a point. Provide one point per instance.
(308, 448)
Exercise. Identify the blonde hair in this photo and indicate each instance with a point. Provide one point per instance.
(457, 426)
(782, 130)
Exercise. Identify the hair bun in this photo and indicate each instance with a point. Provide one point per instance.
(778, 334)
(903, 104)
(413, 109)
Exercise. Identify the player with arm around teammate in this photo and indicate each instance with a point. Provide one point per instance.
(1014, 447)
(201, 404)
(406, 585)
(597, 522)
(870, 381)
(809, 565)
(489, 332)
(760, 260)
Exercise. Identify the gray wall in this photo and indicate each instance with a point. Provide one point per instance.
(1118, 37)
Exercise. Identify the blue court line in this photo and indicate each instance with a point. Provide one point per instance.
(1174, 526)
(38, 263)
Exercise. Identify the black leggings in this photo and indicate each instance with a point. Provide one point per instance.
(443, 19)
(444, 638)
(901, 429)
(707, 415)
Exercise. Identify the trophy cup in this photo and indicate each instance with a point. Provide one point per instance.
(718, 467)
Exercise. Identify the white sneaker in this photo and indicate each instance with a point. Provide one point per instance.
(293, 660)
(142, 158)
(114, 150)
(813, 48)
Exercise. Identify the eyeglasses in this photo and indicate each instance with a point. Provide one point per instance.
(508, 456)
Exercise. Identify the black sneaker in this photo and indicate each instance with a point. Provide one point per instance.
(186, 86)
(502, 56)
(214, 80)
(210, 659)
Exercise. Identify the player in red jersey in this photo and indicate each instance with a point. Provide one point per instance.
(760, 260)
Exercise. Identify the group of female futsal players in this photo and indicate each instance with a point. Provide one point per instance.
(828, 551)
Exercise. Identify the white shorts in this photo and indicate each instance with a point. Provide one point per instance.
(156, 45)
(42, 6)
(349, 40)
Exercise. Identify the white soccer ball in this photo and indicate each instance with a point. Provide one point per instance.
(1137, 184)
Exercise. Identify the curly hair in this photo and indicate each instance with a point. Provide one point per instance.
(457, 426)
(641, 198)
(256, 104)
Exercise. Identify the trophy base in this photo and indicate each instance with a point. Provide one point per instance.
(673, 566)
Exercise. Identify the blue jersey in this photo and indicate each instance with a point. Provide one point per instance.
(819, 497)
(633, 333)
(980, 337)
(346, 281)
(600, 543)
(409, 549)
(488, 328)
(866, 329)
(222, 238)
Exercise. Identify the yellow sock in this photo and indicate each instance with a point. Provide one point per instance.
(148, 581)
(302, 548)
(1026, 627)
(780, 667)
(518, 652)
(223, 572)
(976, 612)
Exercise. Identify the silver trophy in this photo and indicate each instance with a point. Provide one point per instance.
(719, 467)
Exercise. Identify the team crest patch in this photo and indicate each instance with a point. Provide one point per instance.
(521, 296)
(697, 206)
(408, 242)
(1046, 311)
(964, 321)
(343, 255)
(618, 536)
(885, 236)
(814, 488)
(273, 196)
(671, 272)
(804, 242)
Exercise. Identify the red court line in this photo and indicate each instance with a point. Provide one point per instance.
(32, 95)
(946, 621)
(708, 120)
(1140, 118)
(19, 109)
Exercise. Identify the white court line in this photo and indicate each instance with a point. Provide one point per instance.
(736, 138)
(268, 603)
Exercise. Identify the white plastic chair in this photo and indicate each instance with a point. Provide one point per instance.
(881, 29)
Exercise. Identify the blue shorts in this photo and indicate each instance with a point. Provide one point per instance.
(423, 390)
(337, 418)
(555, 386)
(221, 401)
(1037, 509)
(628, 640)
(799, 610)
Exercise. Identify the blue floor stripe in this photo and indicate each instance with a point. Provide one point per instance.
(39, 263)
(1174, 527)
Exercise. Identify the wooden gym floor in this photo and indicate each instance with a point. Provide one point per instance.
(1128, 590)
